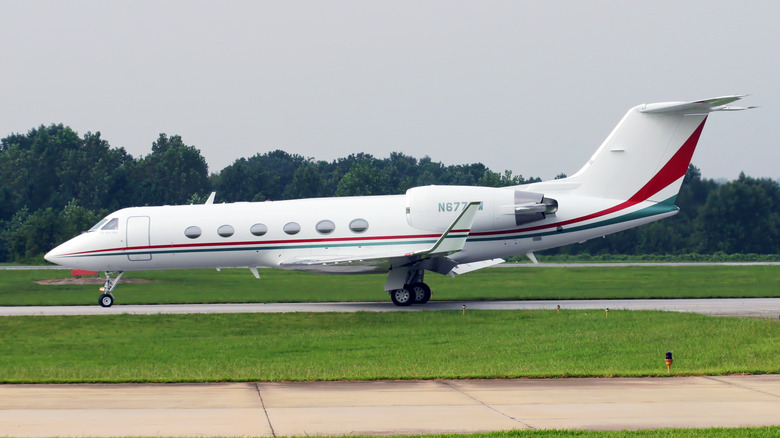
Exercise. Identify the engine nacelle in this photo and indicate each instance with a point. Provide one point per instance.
(433, 208)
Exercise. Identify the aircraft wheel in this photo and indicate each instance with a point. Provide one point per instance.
(106, 300)
(402, 297)
(421, 293)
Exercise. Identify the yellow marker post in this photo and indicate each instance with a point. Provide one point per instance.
(464, 309)
(606, 312)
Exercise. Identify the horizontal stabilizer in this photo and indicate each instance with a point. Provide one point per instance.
(695, 107)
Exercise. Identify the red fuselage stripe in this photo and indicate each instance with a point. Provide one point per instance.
(269, 242)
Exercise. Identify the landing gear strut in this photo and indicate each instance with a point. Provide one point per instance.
(107, 298)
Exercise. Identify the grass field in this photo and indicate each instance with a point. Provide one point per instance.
(366, 346)
(238, 285)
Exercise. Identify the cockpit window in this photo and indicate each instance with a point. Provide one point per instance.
(98, 225)
(112, 225)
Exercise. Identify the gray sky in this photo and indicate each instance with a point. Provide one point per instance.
(533, 87)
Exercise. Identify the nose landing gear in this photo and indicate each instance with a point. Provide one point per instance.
(107, 298)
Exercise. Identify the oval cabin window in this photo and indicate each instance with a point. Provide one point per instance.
(225, 231)
(358, 225)
(325, 227)
(258, 229)
(192, 232)
(292, 228)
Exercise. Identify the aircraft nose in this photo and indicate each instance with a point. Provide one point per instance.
(57, 255)
(53, 256)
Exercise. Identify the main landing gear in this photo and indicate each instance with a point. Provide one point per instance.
(107, 298)
(414, 293)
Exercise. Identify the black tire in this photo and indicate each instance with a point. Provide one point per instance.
(421, 293)
(106, 300)
(402, 297)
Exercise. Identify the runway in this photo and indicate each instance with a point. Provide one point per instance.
(744, 307)
(387, 407)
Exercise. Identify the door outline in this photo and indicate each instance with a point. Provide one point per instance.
(138, 236)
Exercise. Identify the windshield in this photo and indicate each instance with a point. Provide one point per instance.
(112, 225)
(98, 225)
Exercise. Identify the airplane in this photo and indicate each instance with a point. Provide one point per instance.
(632, 179)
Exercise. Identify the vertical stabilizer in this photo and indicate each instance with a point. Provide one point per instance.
(647, 154)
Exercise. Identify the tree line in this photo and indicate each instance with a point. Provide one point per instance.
(55, 184)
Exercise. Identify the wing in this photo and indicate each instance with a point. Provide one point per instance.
(451, 241)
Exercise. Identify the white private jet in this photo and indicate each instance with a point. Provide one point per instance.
(632, 179)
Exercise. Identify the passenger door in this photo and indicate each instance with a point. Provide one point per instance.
(138, 237)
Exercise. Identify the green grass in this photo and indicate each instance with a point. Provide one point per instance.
(238, 285)
(746, 432)
(366, 346)
(717, 257)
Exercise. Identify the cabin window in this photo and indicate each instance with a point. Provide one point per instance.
(258, 229)
(112, 225)
(325, 227)
(192, 232)
(358, 225)
(292, 228)
(225, 231)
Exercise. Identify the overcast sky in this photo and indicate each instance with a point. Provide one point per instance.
(533, 87)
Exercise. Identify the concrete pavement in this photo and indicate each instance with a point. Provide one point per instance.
(387, 407)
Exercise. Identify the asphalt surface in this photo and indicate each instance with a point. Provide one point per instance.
(745, 307)
(387, 407)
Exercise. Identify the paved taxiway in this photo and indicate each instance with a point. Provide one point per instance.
(752, 307)
(387, 407)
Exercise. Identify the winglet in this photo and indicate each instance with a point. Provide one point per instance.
(211, 198)
(455, 237)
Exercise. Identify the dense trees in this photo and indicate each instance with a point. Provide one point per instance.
(55, 183)
(740, 216)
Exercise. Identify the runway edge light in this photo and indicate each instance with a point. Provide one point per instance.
(669, 361)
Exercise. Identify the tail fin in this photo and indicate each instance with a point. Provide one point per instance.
(647, 154)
